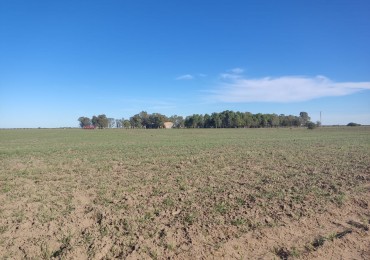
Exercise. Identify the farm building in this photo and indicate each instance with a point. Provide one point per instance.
(168, 124)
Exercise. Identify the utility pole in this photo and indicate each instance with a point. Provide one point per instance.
(320, 119)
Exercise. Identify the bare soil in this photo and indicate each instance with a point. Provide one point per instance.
(289, 196)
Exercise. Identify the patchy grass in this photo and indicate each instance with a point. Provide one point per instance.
(152, 193)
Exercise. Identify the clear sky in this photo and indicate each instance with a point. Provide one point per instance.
(60, 60)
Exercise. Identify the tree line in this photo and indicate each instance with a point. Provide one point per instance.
(225, 119)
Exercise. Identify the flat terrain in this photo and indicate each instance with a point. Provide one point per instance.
(185, 194)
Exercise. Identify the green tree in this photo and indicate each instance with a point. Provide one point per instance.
(227, 118)
(248, 119)
(311, 125)
(145, 119)
(194, 121)
(100, 121)
(103, 121)
(84, 121)
(94, 121)
(199, 121)
(156, 120)
(207, 120)
(274, 120)
(238, 120)
(216, 120)
(178, 121)
(353, 124)
(135, 121)
(304, 118)
(126, 123)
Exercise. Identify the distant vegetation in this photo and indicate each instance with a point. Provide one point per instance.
(225, 119)
(311, 125)
(353, 124)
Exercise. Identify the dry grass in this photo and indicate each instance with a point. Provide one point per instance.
(173, 193)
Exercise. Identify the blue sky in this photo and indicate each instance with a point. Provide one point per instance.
(60, 60)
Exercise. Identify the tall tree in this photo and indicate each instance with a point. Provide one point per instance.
(126, 123)
(156, 120)
(207, 120)
(274, 120)
(189, 122)
(304, 118)
(248, 119)
(84, 121)
(100, 121)
(144, 117)
(216, 120)
(94, 121)
(135, 121)
(178, 121)
(224, 119)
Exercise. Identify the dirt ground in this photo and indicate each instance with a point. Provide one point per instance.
(199, 202)
(336, 234)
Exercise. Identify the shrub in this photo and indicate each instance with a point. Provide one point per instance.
(353, 124)
(311, 125)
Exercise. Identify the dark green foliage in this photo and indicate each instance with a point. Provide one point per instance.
(145, 120)
(304, 118)
(126, 124)
(225, 119)
(353, 124)
(136, 121)
(178, 121)
(84, 121)
(156, 120)
(231, 119)
(100, 121)
(311, 125)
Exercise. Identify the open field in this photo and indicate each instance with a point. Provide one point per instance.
(185, 194)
